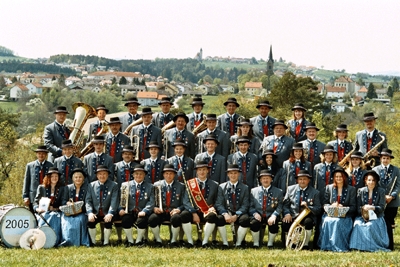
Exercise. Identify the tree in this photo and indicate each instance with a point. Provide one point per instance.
(395, 84)
(114, 80)
(14, 79)
(61, 80)
(217, 81)
(290, 90)
(122, 80)
(360, 81)
(253, 61)
(371, 91)
(390, 91)
(2, 82)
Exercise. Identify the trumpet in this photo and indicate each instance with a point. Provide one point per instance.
(135, 144)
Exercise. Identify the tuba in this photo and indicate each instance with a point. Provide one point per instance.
(83, 112)
(297, 233)
(169, 125)
(133, 124)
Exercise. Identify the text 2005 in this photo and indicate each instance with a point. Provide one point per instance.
(17, 224)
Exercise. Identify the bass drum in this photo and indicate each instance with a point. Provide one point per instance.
(14, 221)
(51, 237)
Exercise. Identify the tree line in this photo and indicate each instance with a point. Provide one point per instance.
(15, 66)
(5, 52)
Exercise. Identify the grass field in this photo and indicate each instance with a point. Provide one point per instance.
(147, 256)
(9, 106)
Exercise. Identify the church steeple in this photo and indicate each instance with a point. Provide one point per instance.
(270, 68)
(270, 54)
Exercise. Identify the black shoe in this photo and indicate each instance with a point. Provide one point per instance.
(157, 244)
(305, 248)
(206, 245)
(129, 244)
(107, 245)
(174, 245)
(119, 242)
(270, 247)
(139, 244)
(188, 245)
(145, 241)
(198, 243)
(214, 243)
(225, 247)
(256, 247)
(182, 243)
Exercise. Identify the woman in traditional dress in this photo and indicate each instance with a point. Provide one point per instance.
(246, 129)
(269, 163)
(293, 165)
(335, 231)
(370, 234)
(356, 170)
(297, 125)
(341, 145)
(53, 190)
(74, 230)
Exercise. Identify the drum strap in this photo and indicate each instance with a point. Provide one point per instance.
(41, 216)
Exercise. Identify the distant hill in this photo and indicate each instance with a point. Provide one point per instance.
(5, 52)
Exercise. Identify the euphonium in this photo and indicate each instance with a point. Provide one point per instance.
(201, 127)
(297, 233)
(169, 125)
(83, 112)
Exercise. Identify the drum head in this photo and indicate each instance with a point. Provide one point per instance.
(32, 239)
(51, 237)
(13, 223)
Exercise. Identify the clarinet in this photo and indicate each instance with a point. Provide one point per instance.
(232, 223)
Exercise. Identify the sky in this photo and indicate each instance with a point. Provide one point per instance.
(355, 35)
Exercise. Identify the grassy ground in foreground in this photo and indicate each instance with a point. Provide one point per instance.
(147, 256)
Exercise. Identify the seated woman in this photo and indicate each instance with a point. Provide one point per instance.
(293, 165)
(246, 129)
(370, 235)
(269, 163)
(74, 229)
(52, 189)
(335, 231)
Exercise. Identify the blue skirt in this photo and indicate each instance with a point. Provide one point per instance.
(369, 236)
(53, 218)
(335, 233)
(74, 230)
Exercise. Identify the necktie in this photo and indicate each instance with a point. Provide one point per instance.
(137, 195)
(168, 200)
(341, 151)
(231, 126)
(298, 130)
(127, 173)
(354, 178)
(210, 161)
(301, 197)
(233, 197)
(179, 135)
(202, 188)
(101, 213)
(265, 127)
(327, 174)
(197, 120)
(99, 127)
(113, 147)
(369, 141)
(153, 171)
(180, 169)
(98, 160)
(265, 196)
(276, 144)
(67, 171)
(65, 130)
(244, 170)
(41, 173)
(311, 154)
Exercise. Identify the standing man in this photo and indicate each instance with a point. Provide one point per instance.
(96, 158)
(223, 138)
(298, 197)
(179, 133)
(153, 165)
(164, 117)
(216, 162)
(263, 123)
(196, 117)
(96, 127)
(123, 171)
(228, 122)
(279, 142)
(139, 195)
(146, 132)
(173, 196)
(233, 206)
(115, 140)
(266, 204)
(101, 203)
(182, 164)
(132, 105)
(34, 174)
(370, 137)
(55, 133)
(203, 196)
(312, 146)
(67, 163)
(248, 162)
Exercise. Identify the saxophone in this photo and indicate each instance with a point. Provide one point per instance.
(371, 162)
(297, 233)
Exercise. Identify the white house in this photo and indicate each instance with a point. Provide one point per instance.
(253, 88)
(71, 80)
(148, 98)
(338, 107)
(35, 88)
(18, 91)
(227, 88)
(346, 82)
(381, 93)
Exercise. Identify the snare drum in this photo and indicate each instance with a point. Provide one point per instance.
(14, 221)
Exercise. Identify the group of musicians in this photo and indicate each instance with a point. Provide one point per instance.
(151, 169)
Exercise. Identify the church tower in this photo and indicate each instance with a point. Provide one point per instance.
(270, 69)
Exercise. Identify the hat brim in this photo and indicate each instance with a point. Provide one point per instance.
(169, 170)
(60, 111)
(284, 125)
(264, 105)
(181, 116)
(232, 170)
(299, 108)
(227, 102)
(106, 110)
(312, 127)
(132, 102)
(386, 154)
(202, 166)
